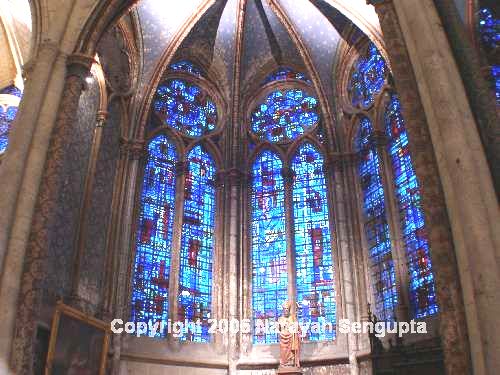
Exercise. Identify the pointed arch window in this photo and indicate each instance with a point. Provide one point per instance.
(315, 282)
(197, 242)
(291, 226)
(178, 198)
(390, 193)
(150, 297)
(268, 241)
(407, 190)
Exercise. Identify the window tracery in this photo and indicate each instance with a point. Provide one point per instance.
(415, 280)
(185, 109)
(285, 115)
(291, 227)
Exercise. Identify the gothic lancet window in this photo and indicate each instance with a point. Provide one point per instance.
(315, 282)
(291, 235)
(422, 291)
(269, 241)
(9, 103)
(412, 278)
(154, 236)
(186, 112)
(197, 241)
(377, 231)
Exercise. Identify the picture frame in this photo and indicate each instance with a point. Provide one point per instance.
(78, 343)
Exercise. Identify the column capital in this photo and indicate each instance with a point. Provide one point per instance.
(134, 148)
(341, 160)
(101, 118)
(78, 65)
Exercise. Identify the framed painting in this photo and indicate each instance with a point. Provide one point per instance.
(78, 343)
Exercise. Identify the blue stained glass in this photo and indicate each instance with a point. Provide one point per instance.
(186, 66)
(422, 289)
(154, 234)
(284, 74)
(489, 29)
(377, 230)
(368, 77)
(12, 90)
(495, 72)
(197, 244)
(269, 245)
(7, 116)
(185, 107)
(313, 250)
(285, 115)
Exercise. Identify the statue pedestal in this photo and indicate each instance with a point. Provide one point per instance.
(290, 371)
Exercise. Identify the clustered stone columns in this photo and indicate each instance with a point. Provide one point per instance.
(78, 68)
(452, 316)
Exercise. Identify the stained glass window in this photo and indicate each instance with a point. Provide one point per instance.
(489, 31)
(376, 226)
(185, 107)
(269, 244)
(9, 102)
(368, 77)
(422, 289)
(283, 74)
(285, 115)
(489, 28)
(315, 281)
(154, 234)
(186, 66)
(197, 244)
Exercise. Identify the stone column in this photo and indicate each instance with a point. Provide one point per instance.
(84, 210)
(455, 180)
(234, 181)
(29, 299)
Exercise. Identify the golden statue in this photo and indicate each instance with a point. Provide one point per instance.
(290, 337)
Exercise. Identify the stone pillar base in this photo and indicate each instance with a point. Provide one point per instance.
(290, 371)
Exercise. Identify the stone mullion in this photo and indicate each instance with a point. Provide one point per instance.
(393, 216)
(453, 334)
(218, 257)
(182, 170)
(234, 181)
(36, 253)
(86, 202)
(288, 177)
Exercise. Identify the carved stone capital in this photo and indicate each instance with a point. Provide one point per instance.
(101, 119)
(78, 65)
(132, 148)
(341, 160)
(235, 177)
